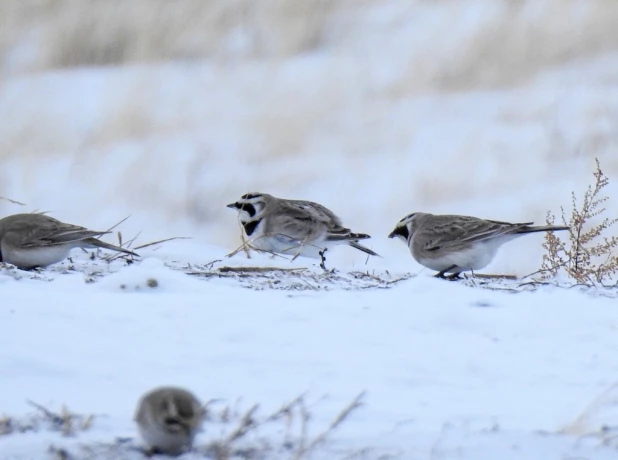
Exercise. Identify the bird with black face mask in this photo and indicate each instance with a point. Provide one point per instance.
(454, 244)
(293, 227)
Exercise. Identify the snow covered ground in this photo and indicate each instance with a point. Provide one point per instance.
(495, 109)
(447, 370)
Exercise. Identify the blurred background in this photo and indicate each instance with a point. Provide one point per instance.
(170, 109)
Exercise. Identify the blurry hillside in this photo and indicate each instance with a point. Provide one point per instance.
(169, 109)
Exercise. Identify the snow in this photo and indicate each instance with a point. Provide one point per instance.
(447, 368)
(388, 116)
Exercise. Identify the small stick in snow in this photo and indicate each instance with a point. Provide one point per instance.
(162, 241)
(491, 277)
(54, 418)
(116, 225)
(246, 424)
(257, 269)
(343, 415)
(12, 201)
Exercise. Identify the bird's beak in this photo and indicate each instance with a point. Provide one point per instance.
(392, 234)
(233, 205)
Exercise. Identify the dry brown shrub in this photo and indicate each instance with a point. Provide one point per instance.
(588, 256)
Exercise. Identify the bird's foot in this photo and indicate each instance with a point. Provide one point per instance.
(323, 258)
(442, 274)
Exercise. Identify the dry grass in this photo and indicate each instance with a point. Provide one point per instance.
(524, 37)
(109, 32)
(242, 434)
(589, 257)
(584, 425)
(297, 279)
(246, 438)
(514, 41)
(65, 422)
(12, 201)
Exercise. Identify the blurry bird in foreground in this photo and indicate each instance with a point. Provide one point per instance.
(168, 419)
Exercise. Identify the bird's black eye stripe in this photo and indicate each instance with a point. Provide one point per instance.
(249, 208)
(248, 196)
(403, 231)
(251, 226)
(246, 207)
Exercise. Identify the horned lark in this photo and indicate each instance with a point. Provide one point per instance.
(36, 240)
(453, 244)
(168, 419)
(293, 227)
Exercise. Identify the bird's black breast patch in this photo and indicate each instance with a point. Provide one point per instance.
(171, 421)
(251, 226)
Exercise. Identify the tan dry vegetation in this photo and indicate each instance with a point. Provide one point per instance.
(515, 40)
(284, 123)
(131, 117)
(589, 256)
(72, 33)
(515, 47)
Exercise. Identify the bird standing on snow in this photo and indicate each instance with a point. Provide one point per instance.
(293, 227)
(36, 240)
(453, 244)
(168, 419)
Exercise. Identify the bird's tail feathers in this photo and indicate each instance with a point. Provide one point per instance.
(543, 228)
(360, 247)
(347, 236)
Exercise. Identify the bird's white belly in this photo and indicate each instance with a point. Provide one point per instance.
(35, 257)
(282, 244)
(288, 246)
(476, 257)
(169, 443)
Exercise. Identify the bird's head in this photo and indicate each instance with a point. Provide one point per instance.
(250, 206)
(405, 228)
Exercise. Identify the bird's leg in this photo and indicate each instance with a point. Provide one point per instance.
(151, 451)
(443, 272)
(323, 258)
(453, 276)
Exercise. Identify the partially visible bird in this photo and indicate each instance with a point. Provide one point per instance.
(454, 244)
(293, 227)
(168, 419)
(37, 240)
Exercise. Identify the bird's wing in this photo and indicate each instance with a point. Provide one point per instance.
(325, 219)
(35, 230)
(451, 231)
(318, 212)
(296, 224)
